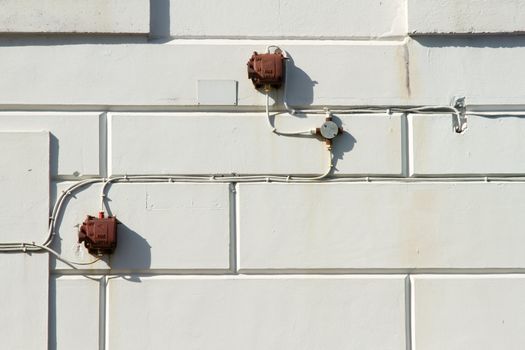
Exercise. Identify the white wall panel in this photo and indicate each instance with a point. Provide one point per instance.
(371, 144)
(24, 300)
(74, 138)
(465, 16)
(428, 71)
(154, 74)
(212, 143)
(486, 70)
(24, 185)
(288, 18)
(469, 312)
(74, 308)
(288, 313)
(77, 16)
(87, 89)
(380, 225)
(163, 226)
(489, 146)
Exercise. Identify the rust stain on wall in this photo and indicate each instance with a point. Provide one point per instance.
(406, 57)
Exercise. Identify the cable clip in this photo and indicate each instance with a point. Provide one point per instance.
(460, 117)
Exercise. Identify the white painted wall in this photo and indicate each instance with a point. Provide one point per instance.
(414, 244)
(78, 16)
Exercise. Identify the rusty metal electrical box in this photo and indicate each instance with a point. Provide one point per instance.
(266, 69)
(99, 234)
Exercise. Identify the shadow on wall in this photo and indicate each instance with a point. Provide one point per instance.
(52, 328)
(133, 251)
(300, 87)
(343, 143)
(159, 19)
(477, 41)
(57, 241)
(300, 94)
(54, 148)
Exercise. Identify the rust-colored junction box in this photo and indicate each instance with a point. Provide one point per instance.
(99, 234)
(266, 69)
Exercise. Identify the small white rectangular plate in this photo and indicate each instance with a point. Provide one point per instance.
(217, 92)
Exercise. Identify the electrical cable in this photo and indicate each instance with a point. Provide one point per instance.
(57, 208)
(496, 114)
(279, 132)
(351, 110)
(234, 178)
(61, 258)
(33, 247)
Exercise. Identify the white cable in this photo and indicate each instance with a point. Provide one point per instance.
(272, 46)
(496, 114)
(217, 178)
(61, 258)
(23, 246)
(279, 132)
(289, 109)
(267, 104)
(102, 196)
(26, 246)
(285, 55)
(353, 110)
(322, 176)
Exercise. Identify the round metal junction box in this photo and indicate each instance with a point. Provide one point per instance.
(329, 130)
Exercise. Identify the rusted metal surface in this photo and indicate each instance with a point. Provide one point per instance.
(99, 234)
(266, 69)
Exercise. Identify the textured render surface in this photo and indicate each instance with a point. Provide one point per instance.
(163, 226)
(24, 301)
(288, 18)
(377, 134)
(489, 146)
(469, 312)
(212, 144)
(24, 185)
(225, 143)
(208, 266)
(74, 138)
(288, 313)
(217, 92)
(465, 16)
(485, 70)
(424, 71)
(330, 226)
(78, 16)
(110, 74)
(74, 310)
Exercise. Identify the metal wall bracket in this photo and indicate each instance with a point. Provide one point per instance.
(460, 115)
